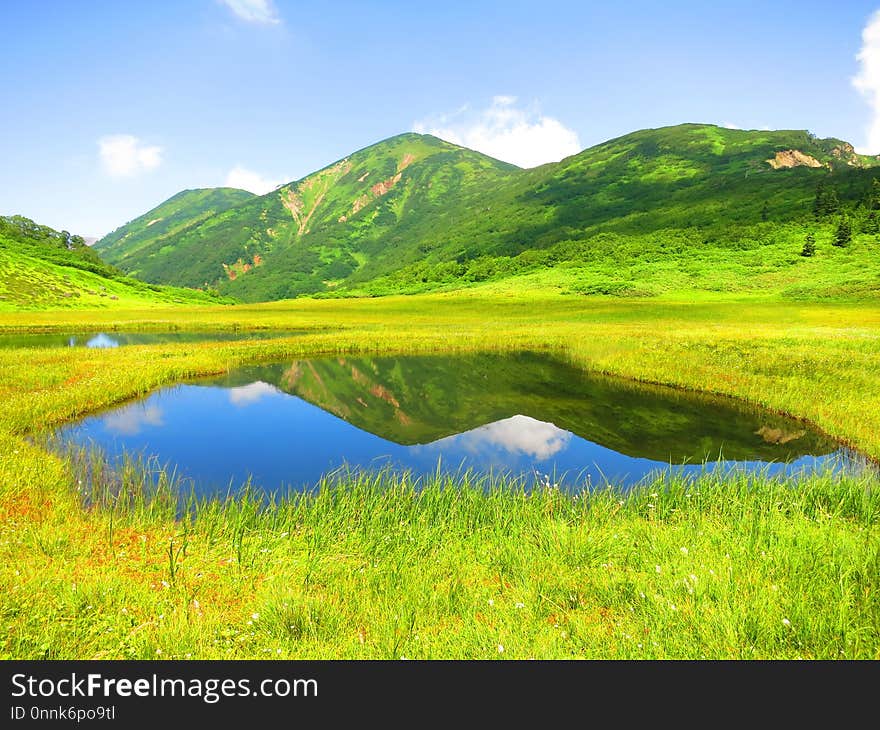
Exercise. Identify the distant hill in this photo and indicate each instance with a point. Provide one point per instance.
(678, 208)
(368, 208)
(175, 216)
(41, 267)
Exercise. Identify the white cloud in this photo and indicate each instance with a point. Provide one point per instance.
(515, 435)
(130, 420)
(244, 395)
(124, 155)
(507, 132)
(867, 81)
(240, 177)
(762, 128)
(262, 12)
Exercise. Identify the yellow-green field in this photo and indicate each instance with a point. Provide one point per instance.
(375, 569)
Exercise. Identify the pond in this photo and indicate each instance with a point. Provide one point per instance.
(121, 339)
(526, 414)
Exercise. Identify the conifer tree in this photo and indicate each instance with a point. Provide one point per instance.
(843, 234)
(809, 248)
(826, 201)
(872, 199)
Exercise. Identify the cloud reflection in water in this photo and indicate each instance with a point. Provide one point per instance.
(518, 435)
(131, 420)
(244, 395)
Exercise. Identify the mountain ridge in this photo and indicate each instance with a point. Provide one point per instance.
(376, 220)
(181, 210)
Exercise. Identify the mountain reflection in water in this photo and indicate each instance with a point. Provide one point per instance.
(526, 414)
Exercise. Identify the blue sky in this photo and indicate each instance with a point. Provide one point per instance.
(111, 107)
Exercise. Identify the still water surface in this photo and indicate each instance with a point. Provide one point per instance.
(526, 414)
(121, 339)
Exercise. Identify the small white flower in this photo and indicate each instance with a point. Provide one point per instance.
(657, 568)
(501, 648)
(673, 607)
(519, 605)
(684, 551)
(786, 622)
(255, 616)
(490, 602)
(158, 651)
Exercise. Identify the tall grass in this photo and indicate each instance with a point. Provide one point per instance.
(384, 566)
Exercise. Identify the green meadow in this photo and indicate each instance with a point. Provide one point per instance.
(100, 564)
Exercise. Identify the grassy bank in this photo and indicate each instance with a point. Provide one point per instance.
(733, 569)
(371, 568)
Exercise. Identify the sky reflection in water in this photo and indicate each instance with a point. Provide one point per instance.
(291, 423)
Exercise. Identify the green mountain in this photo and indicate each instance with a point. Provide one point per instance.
(41, 267)
(369, 207)
(124, 246)
(418, 400)
(691, 206)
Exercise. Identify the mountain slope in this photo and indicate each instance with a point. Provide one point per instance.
(677, 208)
(166, 221)
(323, 226)
(675, 177)
(41, 267)
(414, 212)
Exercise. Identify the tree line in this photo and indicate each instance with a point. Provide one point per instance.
(862, 219)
